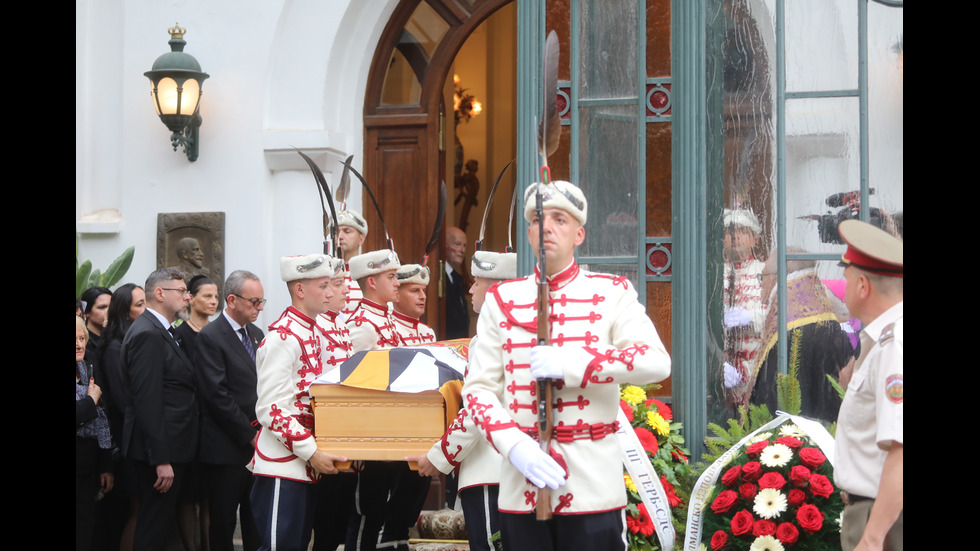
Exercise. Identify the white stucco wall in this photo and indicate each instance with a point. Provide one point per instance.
(283, 74)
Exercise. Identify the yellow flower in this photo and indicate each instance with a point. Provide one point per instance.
(629, 483)
(633, 394)
(658, 423)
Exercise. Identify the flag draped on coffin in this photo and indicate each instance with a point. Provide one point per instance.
(408, 369)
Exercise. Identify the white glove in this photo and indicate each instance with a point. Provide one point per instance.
(538, 467)
(732, 377)
(547, 362)
(736, 316)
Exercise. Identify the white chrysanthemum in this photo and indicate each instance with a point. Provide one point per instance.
(766, 543)
(789, 429)
(775, 455)
(769, 503)
(759, 437)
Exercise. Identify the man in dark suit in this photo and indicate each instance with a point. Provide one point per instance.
(457, 313)
(160, 432)
(226, 377)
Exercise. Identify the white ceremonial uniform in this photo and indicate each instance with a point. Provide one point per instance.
(599, 316)
(336, 345)
(287, 363)
(353, 299)
(412, 331)
(464, 441)
(871, 416)
(371, 327)
(743, 289)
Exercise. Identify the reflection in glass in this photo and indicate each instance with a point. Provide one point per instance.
(410, 59)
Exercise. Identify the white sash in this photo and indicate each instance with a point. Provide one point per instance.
(647, 482)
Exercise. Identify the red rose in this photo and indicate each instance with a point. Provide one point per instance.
(754, 450)
(790, 442)
(796, 497)
(626, 409)
(731, 475)
(799, 475)
(772, 480)
(742, 523)
(751, 471)
(748, 491)
(647, 440)
(719, 539)
(672, 496)
(812, 457)
(763, 527)
(787, 533)
(809, 518)
(662, 408)
(821, 486)
(724, 501)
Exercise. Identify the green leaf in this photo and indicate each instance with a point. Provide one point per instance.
(118, 268)
(81, 278)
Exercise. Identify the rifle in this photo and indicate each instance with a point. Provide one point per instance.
(548, 135)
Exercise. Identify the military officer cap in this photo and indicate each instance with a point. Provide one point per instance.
(494, 265)
(743, 218)
(413, 273)
(353, 219)
(373, 263)
(310, 266)
(558, 194)
(871, 249)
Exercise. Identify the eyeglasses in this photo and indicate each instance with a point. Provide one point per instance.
(256, 302)
(183, 291)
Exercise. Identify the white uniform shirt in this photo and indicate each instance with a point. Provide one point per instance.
(871, 416)
(411, 330)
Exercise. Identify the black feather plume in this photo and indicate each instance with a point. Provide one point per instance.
(486, 209)
(377, 207)
(549, 130)
(323, 190)
(343, 188)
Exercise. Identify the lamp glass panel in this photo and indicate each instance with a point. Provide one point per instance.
(169, 94)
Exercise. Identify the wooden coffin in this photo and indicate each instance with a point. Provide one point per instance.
(367, 424)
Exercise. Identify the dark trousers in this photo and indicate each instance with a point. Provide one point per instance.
(388, 495)
(283, 511)
(481, 516)
(606, 531)
(157, 511)
(228, 504)
(334, 504)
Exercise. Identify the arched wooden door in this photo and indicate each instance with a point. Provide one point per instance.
(404, 121)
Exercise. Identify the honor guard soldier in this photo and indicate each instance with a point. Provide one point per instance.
(463, 446)
(370, 324)
(334, 494)
(352, 228)
(287, 463)
(869, 447)
(410, 305)
(600, 337)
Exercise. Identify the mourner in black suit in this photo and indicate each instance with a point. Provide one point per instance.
(225, 361)
(160, 433)
(457, 312)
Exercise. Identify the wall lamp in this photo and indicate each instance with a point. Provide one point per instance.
(177, 81)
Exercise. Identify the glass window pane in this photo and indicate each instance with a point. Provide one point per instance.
(410, 59)
(824, 60)
(607, 171)
(608, 49)
(885, 107)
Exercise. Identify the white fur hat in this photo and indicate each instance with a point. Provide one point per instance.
(310, 266)
(353, 219)
(494, 265)
(559, 194)
(413, 273)
(372, 263)
(744, 218)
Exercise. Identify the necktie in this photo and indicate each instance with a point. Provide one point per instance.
(248, 343)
